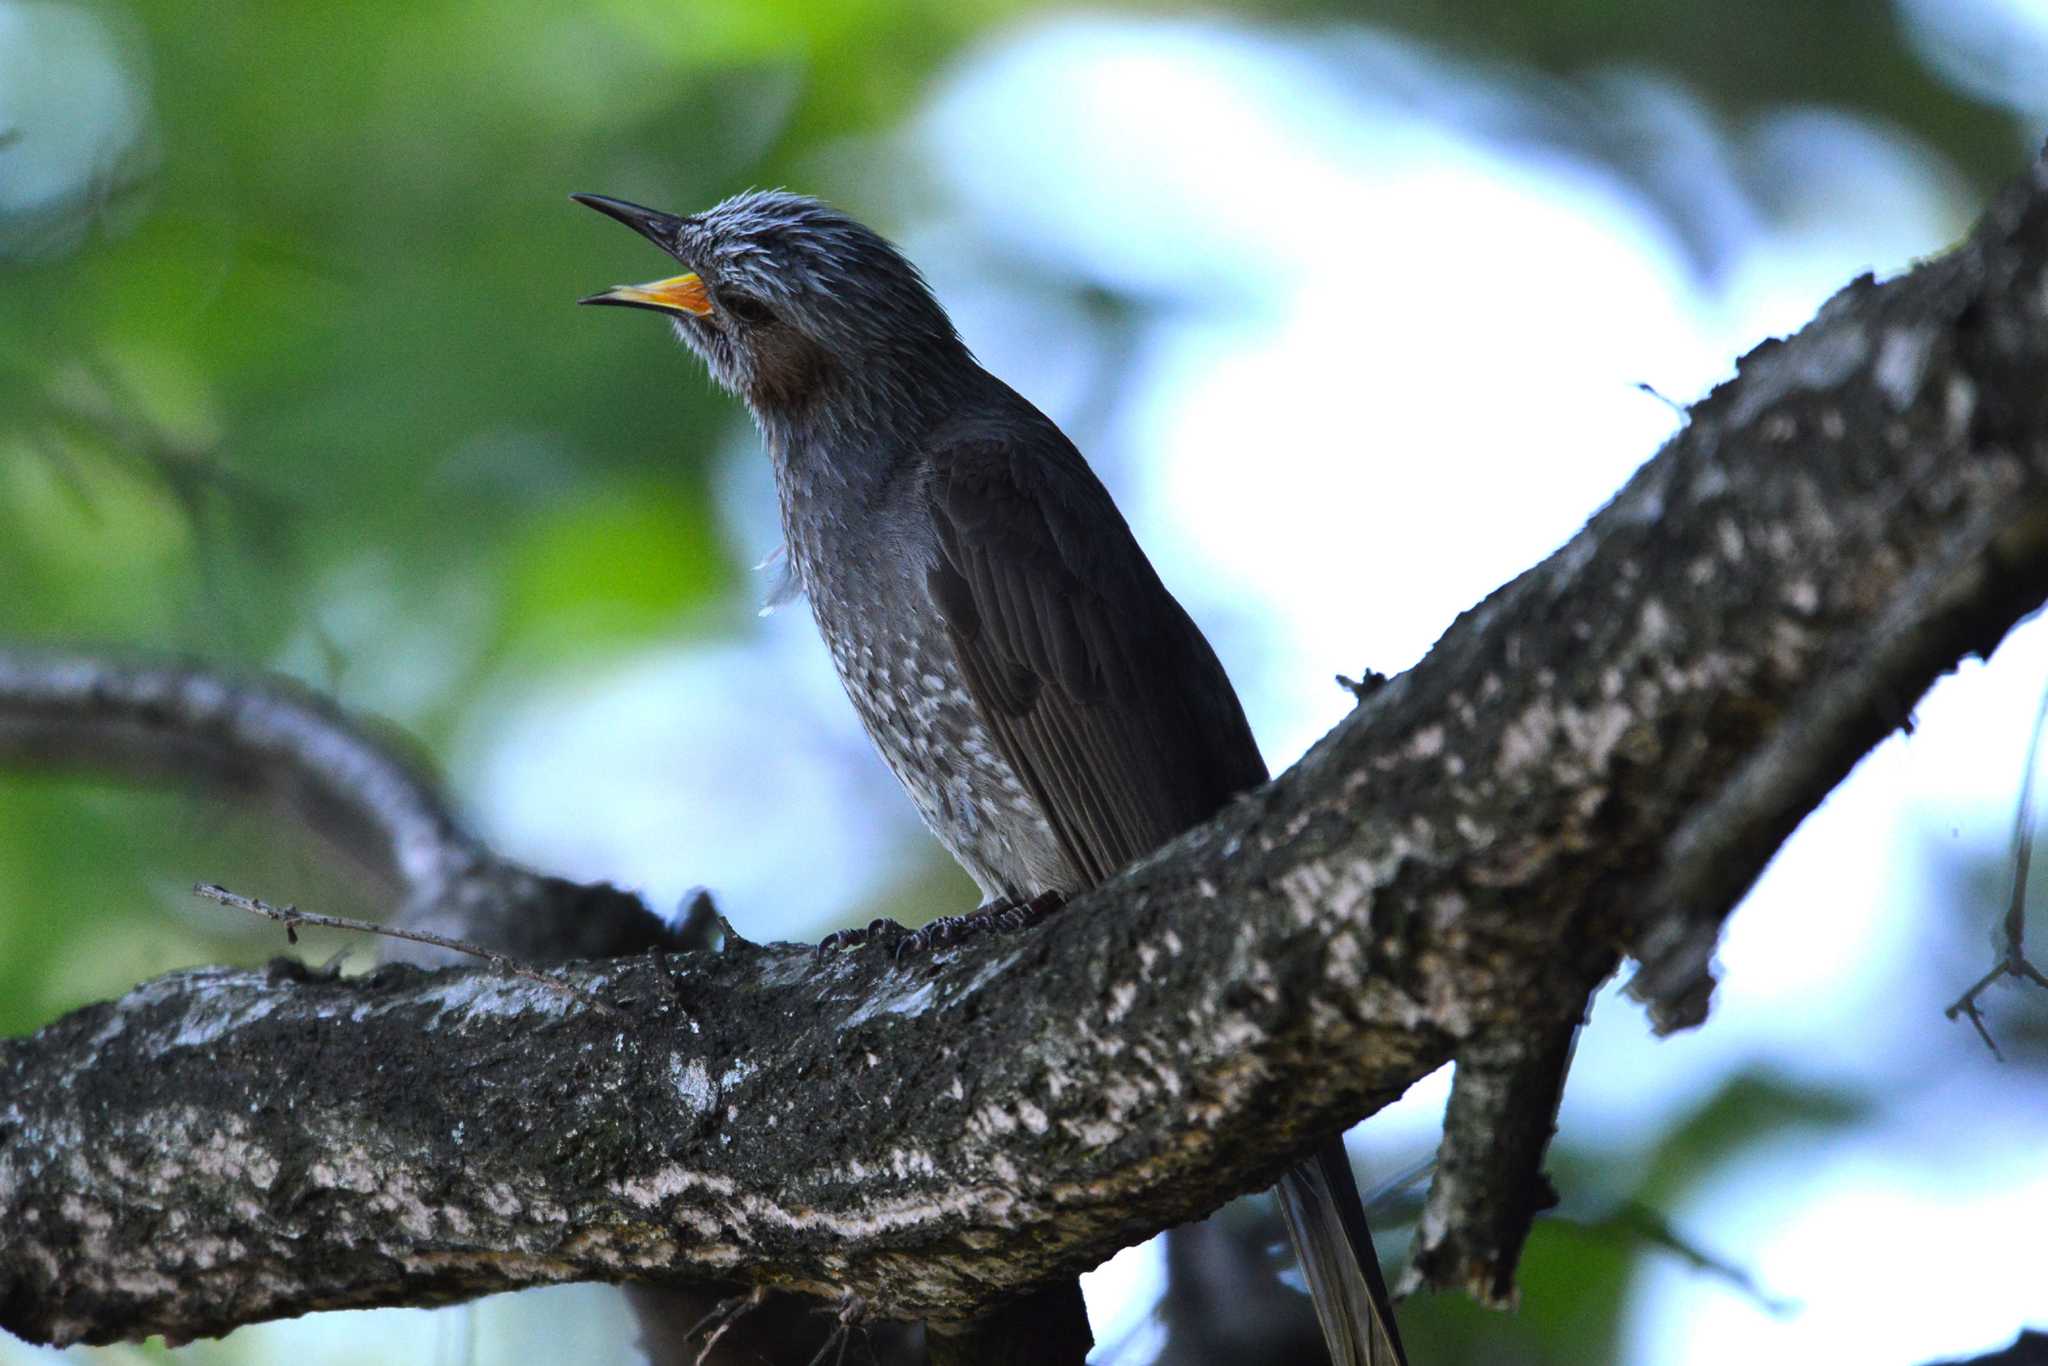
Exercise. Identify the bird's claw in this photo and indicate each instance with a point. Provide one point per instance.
(999, 917)
(853, 939)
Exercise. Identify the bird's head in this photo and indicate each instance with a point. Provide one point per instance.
(787, 299)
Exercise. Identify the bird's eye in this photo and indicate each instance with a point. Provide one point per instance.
(745, 307)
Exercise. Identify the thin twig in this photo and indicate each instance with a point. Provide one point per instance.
(851, 1312)
(722, 1317)
(2012, 961)
(291, 917)
(1645, 387)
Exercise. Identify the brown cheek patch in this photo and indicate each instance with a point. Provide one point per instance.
(789, 367)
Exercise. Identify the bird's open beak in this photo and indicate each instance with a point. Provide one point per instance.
(678, 294)
(652, 224)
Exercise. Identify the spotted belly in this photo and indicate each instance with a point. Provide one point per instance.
(905, 685)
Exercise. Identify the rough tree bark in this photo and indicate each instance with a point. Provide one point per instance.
(1595, 762)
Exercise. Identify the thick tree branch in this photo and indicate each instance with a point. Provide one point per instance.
(1598, 759)
(1911, 412)
(1489, 1184)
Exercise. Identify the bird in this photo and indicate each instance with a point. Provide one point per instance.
(1052, 711)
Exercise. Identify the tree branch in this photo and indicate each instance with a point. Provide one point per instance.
(1489, 1186)
(177, 722)
(1597, 759)
(266, 738)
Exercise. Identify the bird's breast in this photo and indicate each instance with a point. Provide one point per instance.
(897, 661)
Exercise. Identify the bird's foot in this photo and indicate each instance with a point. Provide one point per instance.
(853, 939)
(998, 917)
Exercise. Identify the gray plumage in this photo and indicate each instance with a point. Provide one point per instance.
(1050, 708)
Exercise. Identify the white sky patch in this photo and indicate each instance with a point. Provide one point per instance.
(1893, 1258)
(729, 767)
(1120, 1295)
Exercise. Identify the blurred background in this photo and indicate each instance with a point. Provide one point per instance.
(1360, 309)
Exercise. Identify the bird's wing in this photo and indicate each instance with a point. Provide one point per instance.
(1099, 690)
(1108, 702)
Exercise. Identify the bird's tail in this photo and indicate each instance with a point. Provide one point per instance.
(1326, 1222)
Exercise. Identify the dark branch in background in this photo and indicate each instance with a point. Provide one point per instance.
(266, 738)
(2012, 958)
(180, 722)
(1597, 760)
